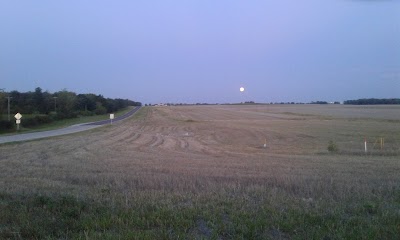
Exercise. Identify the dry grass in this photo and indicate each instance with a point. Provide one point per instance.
(208, 162)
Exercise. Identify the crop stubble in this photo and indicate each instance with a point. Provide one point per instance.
(211, 141)
(192, 151)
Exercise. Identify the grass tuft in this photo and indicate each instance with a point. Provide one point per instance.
(332, 147)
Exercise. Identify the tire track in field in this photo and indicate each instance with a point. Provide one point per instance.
(183, 144)
(156, 131)
(158, 140)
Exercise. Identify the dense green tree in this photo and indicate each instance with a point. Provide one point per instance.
(100, 109)
(17, 102)
(38, 100)
(86, 102)
(68, 105)
(66, 102)
(48, 104)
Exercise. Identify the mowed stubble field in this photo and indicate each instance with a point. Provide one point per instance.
(201, 172)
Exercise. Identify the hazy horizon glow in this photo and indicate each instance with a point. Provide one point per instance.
(203, 51)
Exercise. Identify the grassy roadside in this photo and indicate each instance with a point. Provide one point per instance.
(250, 214)
(68, 122)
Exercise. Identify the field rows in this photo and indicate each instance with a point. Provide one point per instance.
(212, 157)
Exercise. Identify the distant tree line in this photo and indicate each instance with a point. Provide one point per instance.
(55, 106)
(319, 102)
(373, 101)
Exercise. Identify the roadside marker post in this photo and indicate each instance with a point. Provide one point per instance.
(265, 143)
(18, 122)
(111, 117)
(365, 145)
(18, 117)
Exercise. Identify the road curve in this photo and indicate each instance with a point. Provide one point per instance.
(103, 122)
(63, 131)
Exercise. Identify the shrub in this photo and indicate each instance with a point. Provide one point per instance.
(100, 110)
(36, 120)
(65, 115)
(85, 113)
(332, 147)
(5, 125)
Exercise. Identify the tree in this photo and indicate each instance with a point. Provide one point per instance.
(69, 104)
(373, 101)
(48, 103)
(38, 100)
(17, 102)
(66, 102)
(100, 109)
(86, 102)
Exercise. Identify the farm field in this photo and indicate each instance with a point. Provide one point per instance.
(202, 172)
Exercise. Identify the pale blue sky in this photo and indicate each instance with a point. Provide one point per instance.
(203, 51)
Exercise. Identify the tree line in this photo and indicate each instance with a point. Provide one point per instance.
(373, 101)
(59, 105)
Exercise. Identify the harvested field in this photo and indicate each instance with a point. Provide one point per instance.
(198, 172)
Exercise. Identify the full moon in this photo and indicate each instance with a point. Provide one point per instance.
(241, 89)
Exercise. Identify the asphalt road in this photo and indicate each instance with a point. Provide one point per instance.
(68, 130)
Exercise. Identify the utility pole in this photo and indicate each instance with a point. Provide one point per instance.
(55, 104)
(8, 98)
(2, 90)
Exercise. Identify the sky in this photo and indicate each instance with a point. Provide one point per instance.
(189, 51)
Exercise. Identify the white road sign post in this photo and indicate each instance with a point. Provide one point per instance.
(18, 117)
(111, 117)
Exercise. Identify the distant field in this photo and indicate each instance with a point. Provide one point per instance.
(340, 111)
(202, 172)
